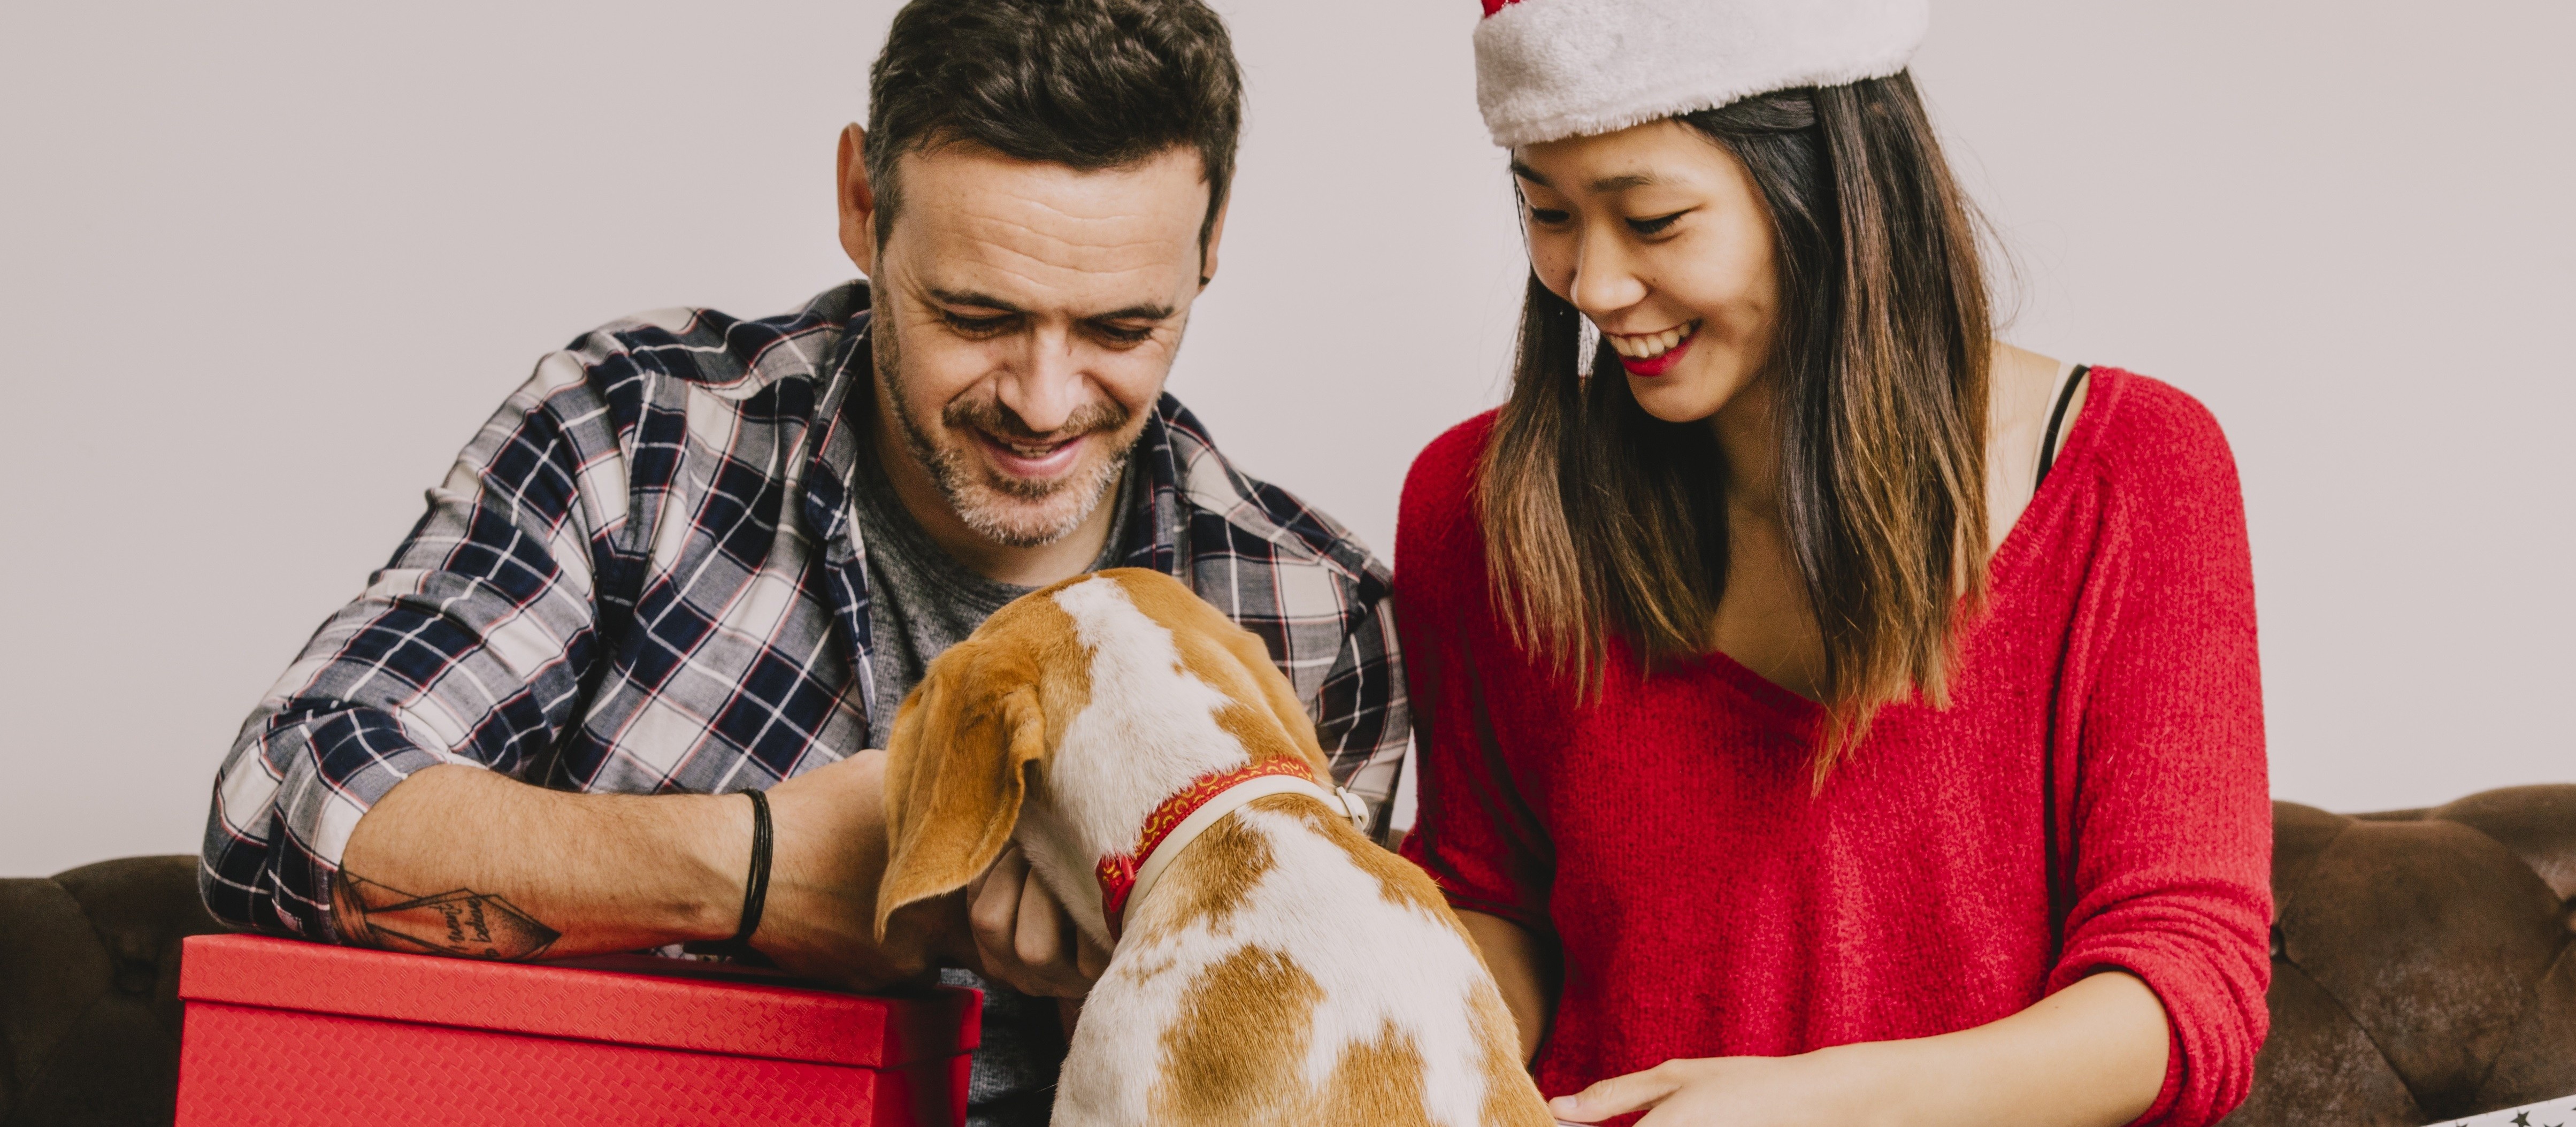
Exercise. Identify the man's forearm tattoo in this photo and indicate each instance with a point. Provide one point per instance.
(476, 925)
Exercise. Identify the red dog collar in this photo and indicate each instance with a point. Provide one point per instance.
(1118, 873)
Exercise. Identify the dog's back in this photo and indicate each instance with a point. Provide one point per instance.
(1289, 971)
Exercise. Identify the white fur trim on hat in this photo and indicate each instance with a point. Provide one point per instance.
(1547, 69)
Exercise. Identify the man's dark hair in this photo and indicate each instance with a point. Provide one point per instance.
(1089, 84)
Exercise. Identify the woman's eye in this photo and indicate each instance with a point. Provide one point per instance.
(1547, 216)
(975, 326)
(1656, 225)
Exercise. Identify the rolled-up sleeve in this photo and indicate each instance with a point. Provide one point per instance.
(1362, 718)
(468, 647)
(2170, 811)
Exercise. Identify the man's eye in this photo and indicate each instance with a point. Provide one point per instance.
(1547, 216)
(1123, 336)
(975, 326)
(1656, 225)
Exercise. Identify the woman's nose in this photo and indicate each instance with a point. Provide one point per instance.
(1605, 280)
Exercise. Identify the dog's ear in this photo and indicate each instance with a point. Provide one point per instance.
(956, 772)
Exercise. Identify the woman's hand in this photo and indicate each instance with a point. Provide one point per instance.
(2091, 1055)
(1824, 1087)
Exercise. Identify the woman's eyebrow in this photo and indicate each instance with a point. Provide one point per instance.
(1604, 185)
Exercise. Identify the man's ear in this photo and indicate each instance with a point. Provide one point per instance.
(856, 199)
(956, 772)
(1207, 254)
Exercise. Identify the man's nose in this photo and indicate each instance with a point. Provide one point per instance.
(1605, 278)
(1046, 387)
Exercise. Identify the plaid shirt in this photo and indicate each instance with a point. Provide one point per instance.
(645, 576)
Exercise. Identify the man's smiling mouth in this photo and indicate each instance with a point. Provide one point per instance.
(1031, 459)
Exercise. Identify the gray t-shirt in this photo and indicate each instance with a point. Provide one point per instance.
(920, 602)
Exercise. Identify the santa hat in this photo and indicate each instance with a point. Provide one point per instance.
(1547, 69)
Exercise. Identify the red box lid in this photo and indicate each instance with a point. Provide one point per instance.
(623, 999)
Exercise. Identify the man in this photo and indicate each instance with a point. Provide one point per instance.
(694, 555)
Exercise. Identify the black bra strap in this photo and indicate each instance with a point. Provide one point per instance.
(2057, 418)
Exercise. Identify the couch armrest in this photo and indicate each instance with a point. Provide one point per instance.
(89, 979)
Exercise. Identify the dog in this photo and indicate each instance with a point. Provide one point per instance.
(1270, 964)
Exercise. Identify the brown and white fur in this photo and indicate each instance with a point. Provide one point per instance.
(1284, 969)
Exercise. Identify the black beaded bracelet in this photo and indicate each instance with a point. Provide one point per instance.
(755, 889)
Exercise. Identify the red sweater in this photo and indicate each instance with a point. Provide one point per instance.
(2094, 797)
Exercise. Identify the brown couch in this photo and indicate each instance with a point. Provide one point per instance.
(2424, 968)
(2423, 961)
(89, 974)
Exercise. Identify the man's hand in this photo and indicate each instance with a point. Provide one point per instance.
(1024, 935)
(828, 851)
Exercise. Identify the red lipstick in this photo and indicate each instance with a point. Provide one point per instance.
(1659, 365)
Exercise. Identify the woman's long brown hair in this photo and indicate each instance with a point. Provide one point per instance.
(1605, 521)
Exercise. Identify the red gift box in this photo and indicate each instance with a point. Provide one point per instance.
(285, 1032)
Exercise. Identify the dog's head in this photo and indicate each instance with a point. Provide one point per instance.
(1148, 680)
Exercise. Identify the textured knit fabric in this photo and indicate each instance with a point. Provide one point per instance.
(922, 601)
(644, 576)
(2095, 796)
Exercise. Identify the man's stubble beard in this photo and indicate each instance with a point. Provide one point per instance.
(983, 501)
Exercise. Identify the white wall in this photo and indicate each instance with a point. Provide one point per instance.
(263, 270)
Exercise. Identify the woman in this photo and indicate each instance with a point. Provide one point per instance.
(1830, 714)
